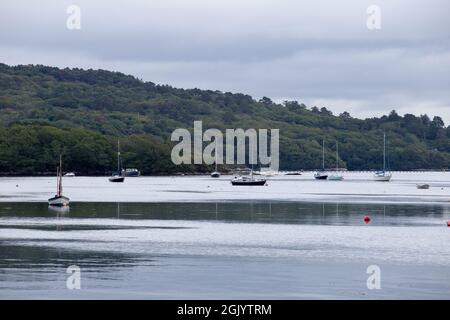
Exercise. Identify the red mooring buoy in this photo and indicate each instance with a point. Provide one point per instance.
(366, 219)
(448, 223)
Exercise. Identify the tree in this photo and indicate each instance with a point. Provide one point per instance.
(345, 115)
(438, 122)
(266, 101)
(324, 110)
(393, 116)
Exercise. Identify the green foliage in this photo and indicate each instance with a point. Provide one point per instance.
(45, 111)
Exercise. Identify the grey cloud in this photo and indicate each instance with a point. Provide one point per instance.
(318, 52)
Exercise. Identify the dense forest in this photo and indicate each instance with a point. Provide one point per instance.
(45, 111)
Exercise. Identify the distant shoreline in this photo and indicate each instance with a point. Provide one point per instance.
(224, 173)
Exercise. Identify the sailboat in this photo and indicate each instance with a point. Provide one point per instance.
(248, 180)
(215, 174)
(117, 176)
(336, 177)
(59, 199)
(322, 175)
(383, 175)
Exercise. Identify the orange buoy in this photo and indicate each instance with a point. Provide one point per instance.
(366, 219)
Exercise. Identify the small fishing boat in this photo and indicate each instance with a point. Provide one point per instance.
(69, 174)
(59, 199)
(336, 177)
(423, 186)
(117, 176)
(322, 175)
(383, 175)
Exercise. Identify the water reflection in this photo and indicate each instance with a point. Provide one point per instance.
(253, 211)
(223, 249)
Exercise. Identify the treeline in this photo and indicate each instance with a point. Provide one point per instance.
(45, 111)
(35, 150)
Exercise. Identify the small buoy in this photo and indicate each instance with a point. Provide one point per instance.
(448, 223)
(17, 185)
(366, 219)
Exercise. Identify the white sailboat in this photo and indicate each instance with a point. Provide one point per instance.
(118, 176)
(216, 173)
(248, 180)
(383, 175)
(322, 175)
(336, 177)
(59, 199)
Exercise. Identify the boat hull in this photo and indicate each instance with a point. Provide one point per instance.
(131, 173)
(116, 179)
(321, 177)
(385, 178)
(215, 175)
(335, 178)
(59, 201)
(249, 183)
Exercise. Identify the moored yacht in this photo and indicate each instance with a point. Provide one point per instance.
(59, 199)
(248, 180)
(336, 176)
(383, 175)
(321, 174)
(215, 174)
(119, 175)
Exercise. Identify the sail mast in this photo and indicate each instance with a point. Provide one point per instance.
(384, 151)
(60, 176)
(118, 157)
(337, 155)
(251, 174)
(57, 180)
(215, 156)
(323, 155)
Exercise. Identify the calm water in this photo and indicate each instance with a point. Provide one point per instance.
(283, 250)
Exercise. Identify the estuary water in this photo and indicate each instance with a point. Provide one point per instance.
(249, 249)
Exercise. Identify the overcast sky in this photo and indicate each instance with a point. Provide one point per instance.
(317, 52)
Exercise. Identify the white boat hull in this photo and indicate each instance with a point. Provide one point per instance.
(59, 201)
(385, 177)
(215, 174)
(335, 178)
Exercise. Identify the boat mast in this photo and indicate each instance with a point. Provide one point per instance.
(59, 193)
(118, 158)
(337, 155)
(57, 180)
(215, 156)
(323, 155)
(384, 151)
(251, 172)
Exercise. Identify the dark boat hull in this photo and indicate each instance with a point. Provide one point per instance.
(249, 183)
(321, 177)
(117, 179)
